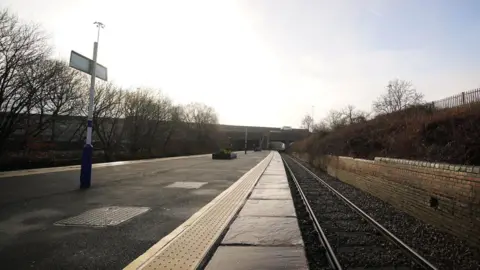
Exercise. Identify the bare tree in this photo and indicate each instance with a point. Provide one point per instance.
(65, 99)
(353, 115)
(307, 122)
(335, 119)
(321, 129)
(161, 110)
(201, 119)
(176, 117)
(108, 112)
(339, 118)
(137, 104)
(200, 114)
(21, 45)
(58, 93)
(146, 112)
(400, 95)
(35, 79)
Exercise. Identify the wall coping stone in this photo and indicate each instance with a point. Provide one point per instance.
(426, 164)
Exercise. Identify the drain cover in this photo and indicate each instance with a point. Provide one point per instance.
(191, 185)
(105, 216)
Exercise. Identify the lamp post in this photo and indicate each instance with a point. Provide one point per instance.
(313, 108)
(246, 134)
(313, 121)
(86, 167)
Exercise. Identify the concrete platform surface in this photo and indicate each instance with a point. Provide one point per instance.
(273, 179)
(272, 186)
(265, 234)
(274, 172)
(30, 204)
(271, 194)
(264, 231)
(258, 258)
(268, 208)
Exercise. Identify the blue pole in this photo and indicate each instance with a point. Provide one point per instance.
(86, 168)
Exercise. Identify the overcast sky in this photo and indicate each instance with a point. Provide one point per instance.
(267, 62)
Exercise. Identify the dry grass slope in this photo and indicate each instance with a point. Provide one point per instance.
(418, 133)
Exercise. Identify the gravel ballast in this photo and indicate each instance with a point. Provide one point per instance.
(356, 243)
(314, 250)
(442, 249)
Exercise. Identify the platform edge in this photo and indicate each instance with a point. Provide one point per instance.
(162, 243)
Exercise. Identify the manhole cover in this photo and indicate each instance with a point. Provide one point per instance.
(191, 185)
(105, 216)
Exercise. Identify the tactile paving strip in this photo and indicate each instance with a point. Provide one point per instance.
(105, 216)
(190, 247)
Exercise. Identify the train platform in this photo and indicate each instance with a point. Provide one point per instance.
(251, 225)
(47, 222)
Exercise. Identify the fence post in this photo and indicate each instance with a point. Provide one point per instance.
(463, 98)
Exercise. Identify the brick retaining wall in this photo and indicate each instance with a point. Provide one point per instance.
(445, 195)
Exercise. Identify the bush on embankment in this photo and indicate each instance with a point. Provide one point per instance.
(418, 133)
(44, 159)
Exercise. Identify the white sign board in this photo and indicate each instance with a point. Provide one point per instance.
(82, 63)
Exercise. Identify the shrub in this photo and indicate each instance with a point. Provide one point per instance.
(419, 132)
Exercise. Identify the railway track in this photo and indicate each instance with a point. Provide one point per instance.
(351, 239)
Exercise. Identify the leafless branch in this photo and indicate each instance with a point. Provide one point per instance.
(307, 122)
(400, 95)
(21, 46)
(107, 113)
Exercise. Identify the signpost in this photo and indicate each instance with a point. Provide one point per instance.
(91, 67)
(82, 63)
(313, 113)
(246, 132)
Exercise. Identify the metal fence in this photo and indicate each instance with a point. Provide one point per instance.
(463, 98)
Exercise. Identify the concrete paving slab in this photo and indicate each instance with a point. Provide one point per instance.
(256, 258)
(273, 179)
(271, 194)
(264, 231)
(275, 164)
(274, 172)
(268, 185)
(268, 208)
(278, 167)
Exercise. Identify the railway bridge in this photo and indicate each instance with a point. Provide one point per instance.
(261, 136)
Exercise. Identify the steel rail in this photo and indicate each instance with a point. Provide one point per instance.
(390, 236)
(332, 258)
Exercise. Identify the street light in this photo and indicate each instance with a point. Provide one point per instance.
(246, 134)
(313, 121)
(99, 26)
(313, 108)
(86, 168)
